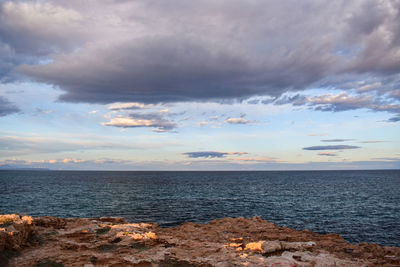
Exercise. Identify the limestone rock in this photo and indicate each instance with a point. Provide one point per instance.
(224, 242)
(271, 246)
(112, 219)
(47, 221)
(15, 230)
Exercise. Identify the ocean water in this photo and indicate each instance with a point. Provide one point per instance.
(362, 206)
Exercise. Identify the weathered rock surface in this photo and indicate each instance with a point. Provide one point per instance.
(49, 241)
(15, 231)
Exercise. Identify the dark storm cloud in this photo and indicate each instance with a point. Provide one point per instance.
(379, 28)
(6, 107)
(159, 69)
(152, 52)
(395, 94)
(211, 154)
(8, 60)
(33, 28)
(340, 147)
(31, 31)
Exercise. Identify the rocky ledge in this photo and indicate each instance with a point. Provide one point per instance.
(50, 241)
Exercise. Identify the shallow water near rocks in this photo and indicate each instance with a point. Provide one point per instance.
(362, 206)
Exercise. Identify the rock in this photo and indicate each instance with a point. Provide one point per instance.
(224, 242)
(47, 221)
(297, 245)
(93, 259)
(271, 246)
(255, 246)
(118, 220)
(277, 246)
(15, 230)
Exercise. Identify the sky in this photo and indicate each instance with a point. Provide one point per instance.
(200, 85)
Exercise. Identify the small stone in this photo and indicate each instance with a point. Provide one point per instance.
(116, 240)
(296, 257)
(235, 245)
(93, 260)
(271, 246)
(256, 246)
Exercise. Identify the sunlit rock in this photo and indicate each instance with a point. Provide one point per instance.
(224, 242)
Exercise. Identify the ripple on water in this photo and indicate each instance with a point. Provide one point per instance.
(362, 206)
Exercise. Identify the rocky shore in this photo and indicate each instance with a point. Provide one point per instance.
(51, 241)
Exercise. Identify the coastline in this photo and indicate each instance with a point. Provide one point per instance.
(37, 241)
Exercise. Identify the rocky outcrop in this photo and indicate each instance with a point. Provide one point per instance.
(50, 222)
(15, 230)
(225, 242)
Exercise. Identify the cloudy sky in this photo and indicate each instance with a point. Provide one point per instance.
(200, 85)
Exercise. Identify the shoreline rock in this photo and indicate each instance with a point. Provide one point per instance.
(51, 241)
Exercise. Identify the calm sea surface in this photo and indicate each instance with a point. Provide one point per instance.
(362, 206)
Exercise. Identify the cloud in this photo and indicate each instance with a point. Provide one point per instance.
(208, 51)
(395, 94)
(34, 27)
(394, 119)
(13, 145)
(339, 147)
(240, 120)
(30, 31)
(207, 164)
(69, 160)
(237, 121)
(329, 154)
(339, 102)
(211, 154)
(388, 159)
(43, 111)
(371, 141)
(345, 101)
(213, 118)
(295, 100)
(127, 106)
(203, 123)
(317, 134)
(34, 145)
(68, 163)
(6, 107)
(260, 159)
(135, 120)
(336, 140)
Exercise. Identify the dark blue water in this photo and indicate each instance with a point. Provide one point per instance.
(362, 206)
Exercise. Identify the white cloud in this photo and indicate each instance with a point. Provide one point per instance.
(135, 120)
(257, 159)
(130, 105)
(240, 120)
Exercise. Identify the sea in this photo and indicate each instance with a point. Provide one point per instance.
(362, 206)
